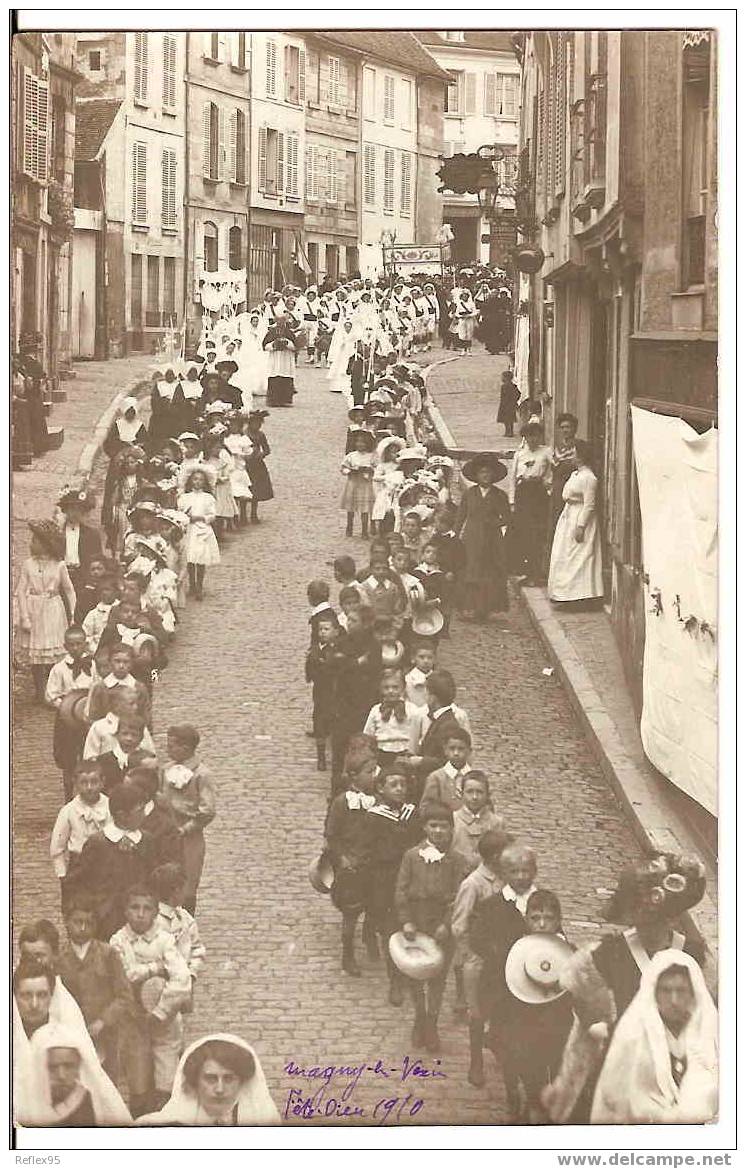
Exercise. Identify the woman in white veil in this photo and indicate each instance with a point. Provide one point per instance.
(219, 1081)
(340, 352)
(662, 1062)
(67, 1084)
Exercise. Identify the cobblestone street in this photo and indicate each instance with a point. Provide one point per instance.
(236, 670)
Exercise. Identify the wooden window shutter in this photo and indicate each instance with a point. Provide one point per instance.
(169, 72)
(302, 76)
(206, 140)
(331, 177)
(388, 99)
(369, 175)
(560, 113)
(233, 155)
(262, 158)
(341, 164)
(139, 183)
(141, 67)
(168, 200)
(291, 148)
(470, 93)
(406, 183)
(223, 172)
(490, 93)
(309, 172)
(280, 161)
(35, 126)
(271, 69)
(388, 180)
(510, 84)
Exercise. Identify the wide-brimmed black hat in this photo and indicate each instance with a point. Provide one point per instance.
(74, 498)
(664, 888)
(471, 469)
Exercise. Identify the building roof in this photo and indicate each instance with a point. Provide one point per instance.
(397, 47)
(495, 41)
(93, 119)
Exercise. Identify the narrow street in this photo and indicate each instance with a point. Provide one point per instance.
(236, 671)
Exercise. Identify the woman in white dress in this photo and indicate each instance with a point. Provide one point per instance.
(575, 567)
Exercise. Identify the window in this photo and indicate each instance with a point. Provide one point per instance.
(169, 289)
(214, 46)
(369, 94)
(295, 75)
(153, 308)
(213, 142)
(272, 160)
(500, 91)
(389, 100)
(169, 72)
(455, 37)
(94, 60)
(406, 184)
(168, 189)
(139, 183)
(369, 175)
(238, 147)
(235, 247)
(141, 68)
(461, 94)
(453, 96)
(560, 114)
(406, 102)
(351, 168)
(335, 81)
(136, 291)
(388, 180)
(292, 184)
(696, 99)
(35, 126)
(238, 50)
(211, 247)
(271, 69)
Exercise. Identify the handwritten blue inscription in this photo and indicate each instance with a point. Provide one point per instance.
(333, 1098)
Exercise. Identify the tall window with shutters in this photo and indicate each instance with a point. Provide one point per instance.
(140, 183)
(560, 115)
(405, 205)
(271, 168)
(295, 75)
(369, 175)
(237, 164)
(213, 142)
(454, 95)
(389, 98)
(388, 181)
(141, 68)
(332, 178)
(500, 95)
(35, 127)
(169, 73)
(406, 104)
(168, 189)
(369, 94)
(271, 69)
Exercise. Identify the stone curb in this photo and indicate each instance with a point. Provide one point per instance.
(654, 826)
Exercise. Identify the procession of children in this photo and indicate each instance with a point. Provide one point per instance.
(414, 846)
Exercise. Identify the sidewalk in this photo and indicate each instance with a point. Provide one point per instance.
(466, 393)
(584, 653)
(89, 395)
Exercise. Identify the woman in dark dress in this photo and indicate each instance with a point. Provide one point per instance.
(261, 484)
(281, 342)
(483, 513)
(33, 374)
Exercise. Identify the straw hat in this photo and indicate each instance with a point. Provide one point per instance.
(422, 958)
(534, 965)
(385, 443)
(72, 709)
(321, 873)
(426, 622)
(471, 469)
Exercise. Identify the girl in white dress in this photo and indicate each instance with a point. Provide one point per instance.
(388, 481)
(222, 463)
(239, 446)
(575, 568)
(201, 547)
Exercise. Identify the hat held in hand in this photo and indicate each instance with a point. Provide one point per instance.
(534, 965)
(421, 958)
